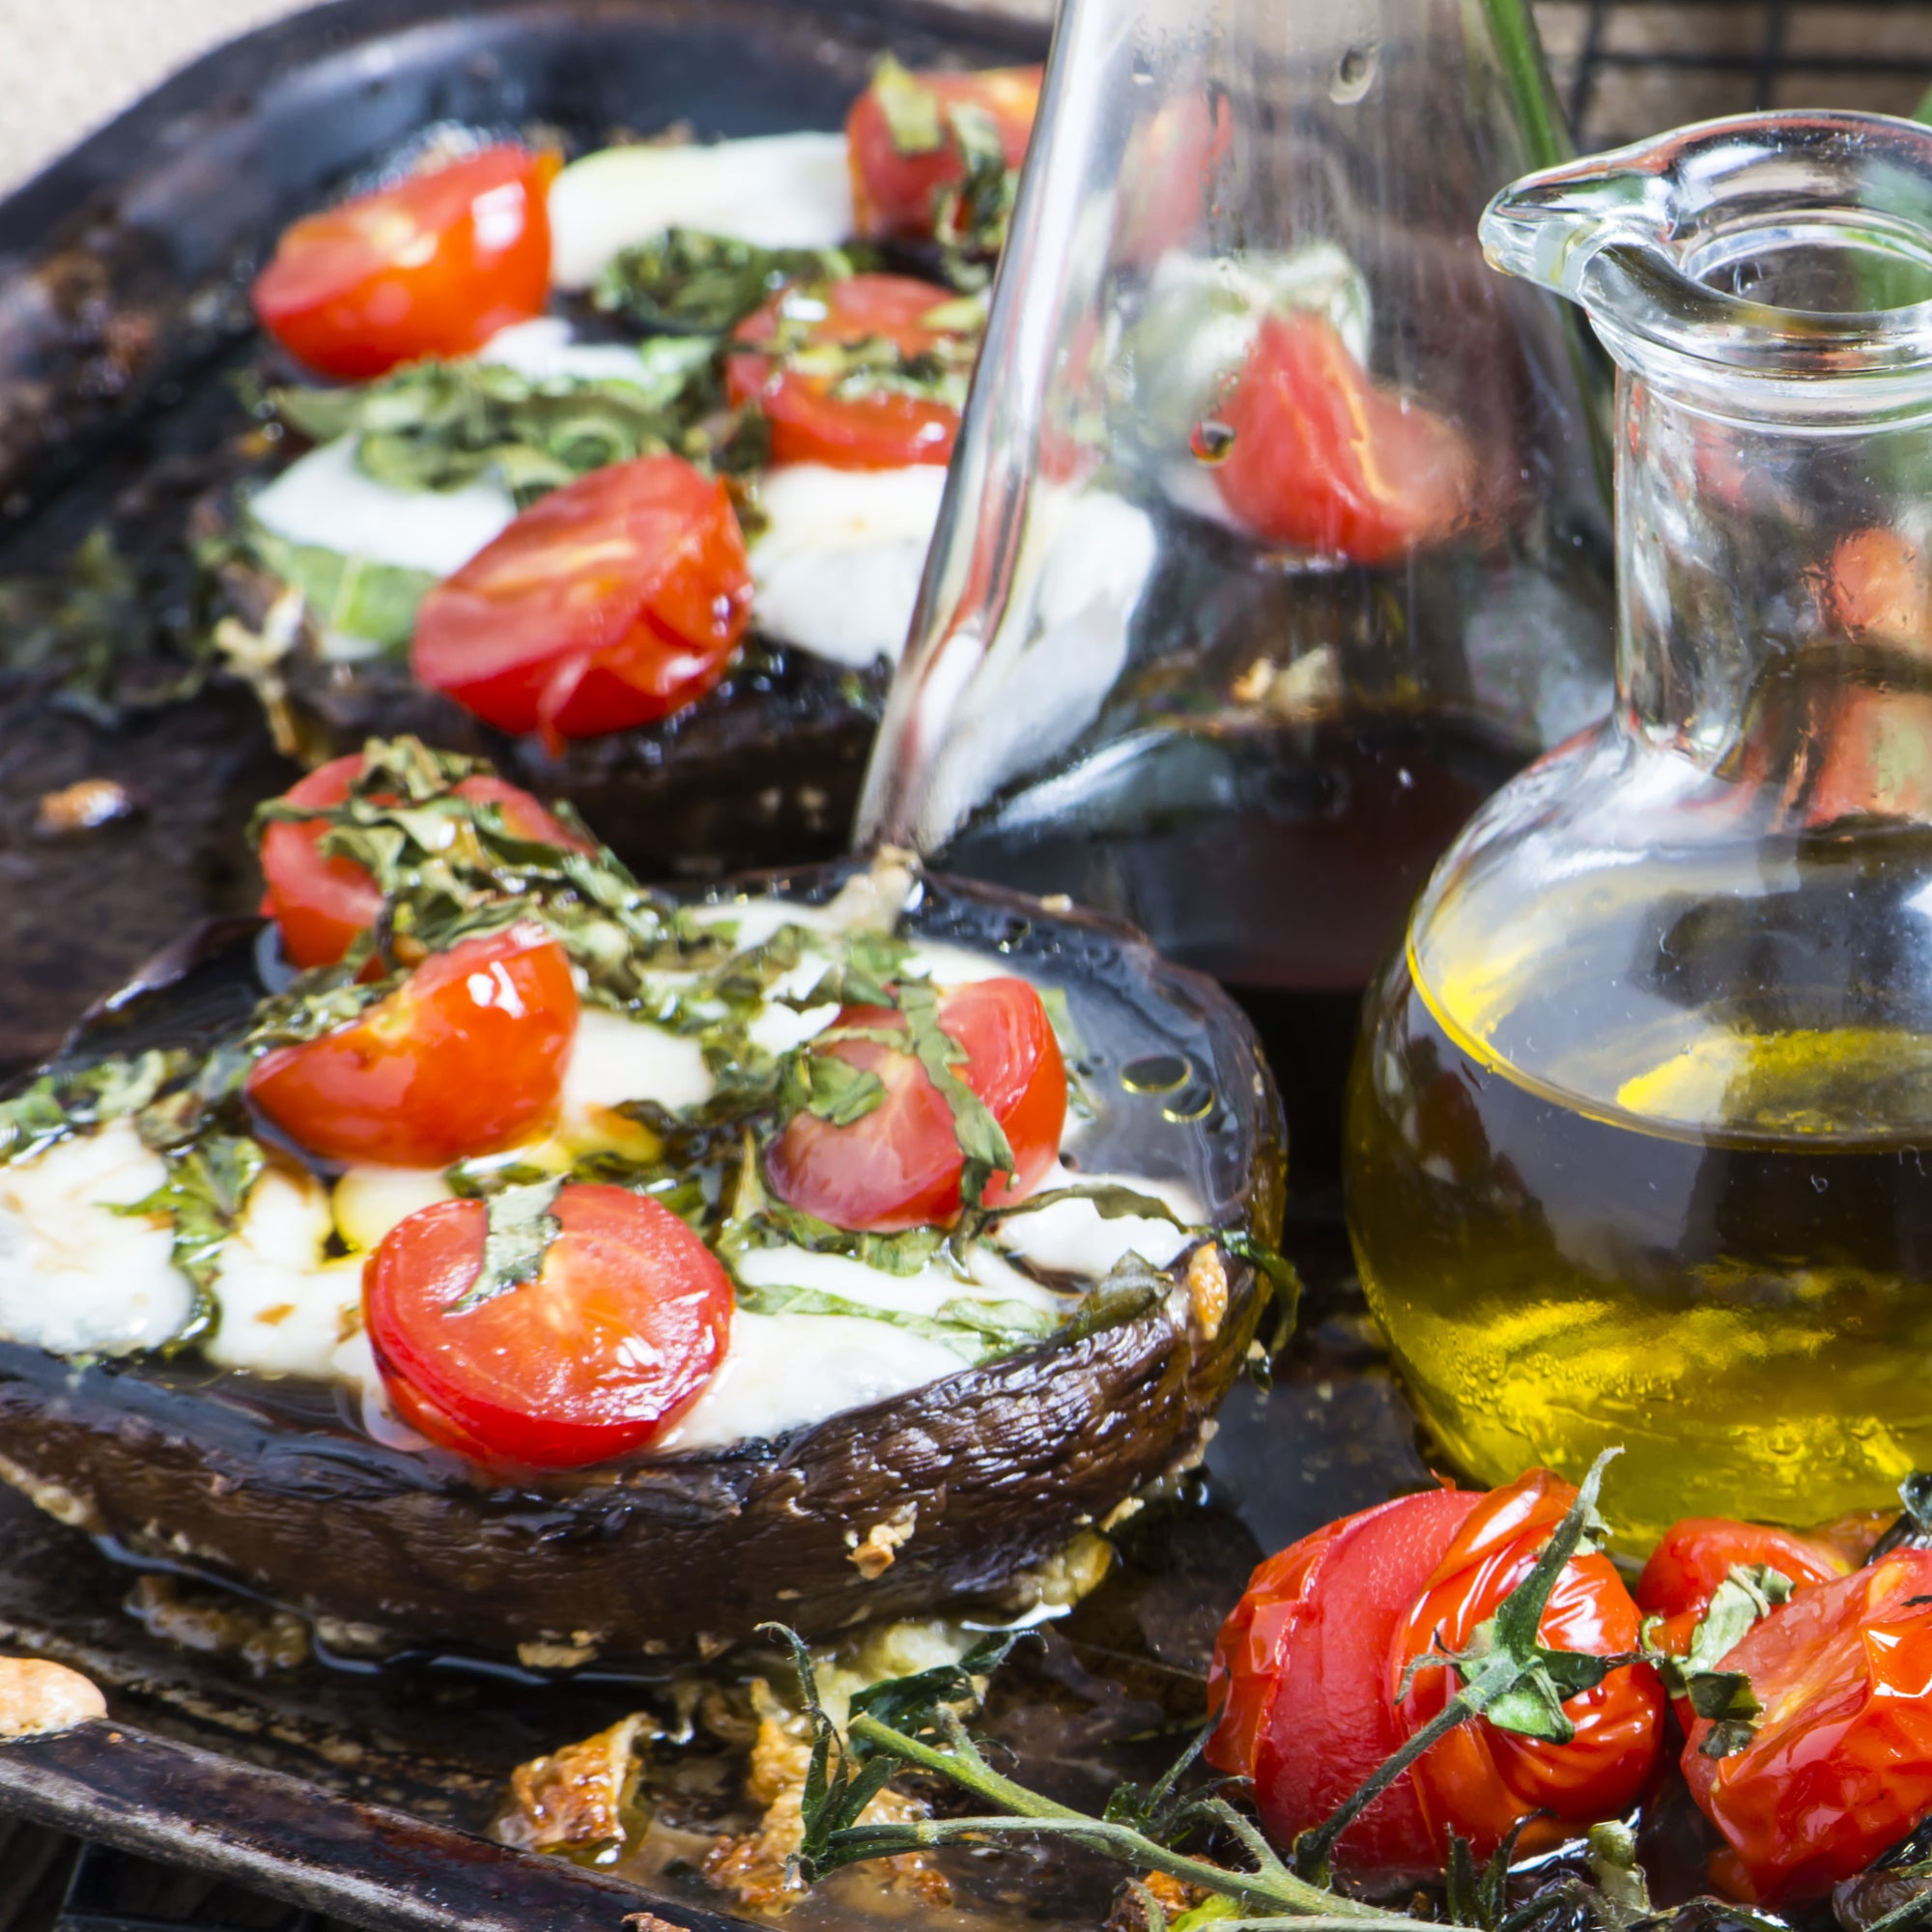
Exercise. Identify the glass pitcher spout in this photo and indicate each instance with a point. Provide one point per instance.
(1638, 1136)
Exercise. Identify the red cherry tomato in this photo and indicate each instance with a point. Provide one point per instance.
(881, 429)
(896, 193)
(625, 1324)
(435, 265)
(324, 905)
(1479, 1781)
(1303, 1660)
(1840, 1765)
(899, 1166)
(611, 602)
(1328, 459)
(1699, 1554)
(465, 1056)
(1168, 176)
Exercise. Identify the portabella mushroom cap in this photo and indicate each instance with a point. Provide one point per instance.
(955, 1491)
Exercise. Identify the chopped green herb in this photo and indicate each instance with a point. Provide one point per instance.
(982, 1141)
(691, 283)
(63, 1103)
(521, 1229)
(206, 1190)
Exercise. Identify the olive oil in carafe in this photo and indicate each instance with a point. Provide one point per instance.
(1669, 1188)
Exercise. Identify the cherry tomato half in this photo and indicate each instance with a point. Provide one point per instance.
(1840, 1765)
(323, 905)
(878, 429)
(435, 265)
(1328, 459)
(1480, 1781)
(1303, 1660)
(465, 1056)
(611, 602)
(627, 1321)
(899, 1166)
(896, 192)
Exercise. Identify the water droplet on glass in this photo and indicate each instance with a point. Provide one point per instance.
(1157, 1073)
(1194, 1103)
(1211, 441)
(1354, 74)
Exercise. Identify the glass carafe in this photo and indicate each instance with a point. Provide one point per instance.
(1276, 537)
(1639, 1146)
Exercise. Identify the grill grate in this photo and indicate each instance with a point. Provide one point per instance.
(1624, 69)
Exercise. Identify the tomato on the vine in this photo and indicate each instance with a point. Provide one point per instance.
(816, 416)
(323, 906)
(627, 1319)
(1326, 459)
(433, 266)
(1838, 1765)
(900, 1165)
(611, 602)
(1480, 1781)
(896, 188)
(1303, 1662)
(466, 1055)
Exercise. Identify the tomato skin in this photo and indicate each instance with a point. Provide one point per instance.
(1699, 1554)
(899, 1166)
(1327, 460)
(894, 194)
(610, 603)
(1477, 1781)
(1303, 1659)
(1840, 1767)
(626, 1323)
(887, 430)
(465, 1056)
(435, 265)
(324, 905)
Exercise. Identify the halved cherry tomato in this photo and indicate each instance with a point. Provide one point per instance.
(1699, 1554)
(435, 265)
(876, 429)
(627, 1321)
(324, 905)
(897, 192)
(1479, 1781)
(899, 1166)
(814, 424)
(1326, 459)
(1303, 1660)
(611, 602)
(1167, 177)
(465, 1056)
(1840, 1764)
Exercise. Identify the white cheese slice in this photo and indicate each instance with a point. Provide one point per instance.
(614, 1059)
(326, 500)
(838, 566)
(776, 191)
(785, 1266)
(790, 1370)
(547, 350)
(369, 1201)
(1074, 1238)
(76, 1277)
(286, 1307)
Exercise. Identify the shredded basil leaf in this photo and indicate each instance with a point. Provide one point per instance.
(63, 1103)
(982, 1141)
(521, 1229)
(687, 282)
(977, 1331)
(203, 1195)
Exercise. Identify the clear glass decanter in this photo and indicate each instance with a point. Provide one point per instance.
(1276, 537)
(1639, 1148)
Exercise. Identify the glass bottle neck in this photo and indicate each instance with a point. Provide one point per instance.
(1773, 599)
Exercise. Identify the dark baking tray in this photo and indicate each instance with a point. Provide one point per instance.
(123, 279)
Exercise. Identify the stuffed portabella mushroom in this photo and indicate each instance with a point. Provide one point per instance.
(494, 1253)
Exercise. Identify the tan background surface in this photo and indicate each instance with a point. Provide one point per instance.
(66, 66)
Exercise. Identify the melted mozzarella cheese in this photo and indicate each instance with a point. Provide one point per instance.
(1074, 1238)
(790, 1370)
(286, 1305)
(369, 1201)
(785, 1266)
(325, 500)
(547, 350)
(774, 190)
(838, 564)
(76, 1277)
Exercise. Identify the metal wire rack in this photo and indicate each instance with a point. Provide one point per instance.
(1624, 69)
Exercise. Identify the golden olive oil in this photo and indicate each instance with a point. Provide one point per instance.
(1668, 1188)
